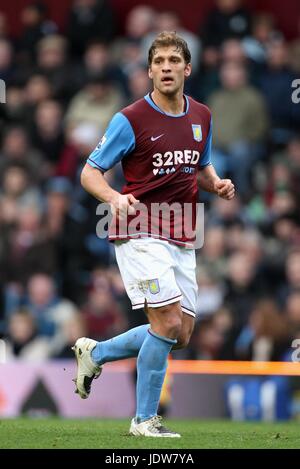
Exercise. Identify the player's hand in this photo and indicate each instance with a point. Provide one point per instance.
(123, 205)
(225, 189)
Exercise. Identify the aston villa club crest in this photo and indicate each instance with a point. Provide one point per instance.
(197, 132)
(154, 286)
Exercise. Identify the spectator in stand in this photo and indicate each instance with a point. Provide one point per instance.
(213, 254)
(23, 341)
(227, 20)
(72, 329)
(29, 89)
(238, 141)
(18, 192)
(283, 203)
(58, 199)
(67, 224)
(267, 337)
(97, 59)
(16, 148)
(232, 51)
(47, 133)
(28, 248)
(210, 339)
(139, 84)
(96, 103)
(241, 282)
(207, 80)
(53, 62)
(89, 19)
(210, 292)
(275, 83)
(37, 89)
(227, 215)
(139, 22)
(287, 232)
(36, 26)
(289, 157)
(15, 105)
(132, 317)
(280, 177)
(252, 245)
(50, 311)
(235, 236)
(128, 54)
(255, 46)
(81, 138)
(101, 312)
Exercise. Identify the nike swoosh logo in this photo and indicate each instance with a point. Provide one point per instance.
(155, 138)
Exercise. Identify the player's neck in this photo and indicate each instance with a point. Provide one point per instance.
(169, 104)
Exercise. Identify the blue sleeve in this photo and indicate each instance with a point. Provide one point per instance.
(118, 141)
(205, 159)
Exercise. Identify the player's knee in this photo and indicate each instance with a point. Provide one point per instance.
(173, 327)
(166, 320)
(172, 321)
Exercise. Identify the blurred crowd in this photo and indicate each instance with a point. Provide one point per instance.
(58, 280)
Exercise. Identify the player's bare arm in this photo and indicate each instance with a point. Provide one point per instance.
(209, 181)
(95, 183)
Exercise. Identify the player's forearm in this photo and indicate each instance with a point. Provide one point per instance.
(208, 178)
(93, 181)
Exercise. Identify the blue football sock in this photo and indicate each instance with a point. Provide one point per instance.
(122, 346)
(151, 368)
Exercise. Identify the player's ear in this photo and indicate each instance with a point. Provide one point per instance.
(187, 70)
(150, 75)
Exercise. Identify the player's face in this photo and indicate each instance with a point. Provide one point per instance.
(168, 70)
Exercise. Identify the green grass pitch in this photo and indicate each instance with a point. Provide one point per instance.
(59, 433)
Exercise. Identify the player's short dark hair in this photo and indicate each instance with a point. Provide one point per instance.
(166, 39)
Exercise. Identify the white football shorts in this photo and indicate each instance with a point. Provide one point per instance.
(159, 272)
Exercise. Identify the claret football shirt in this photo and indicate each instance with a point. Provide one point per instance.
(161, 155)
